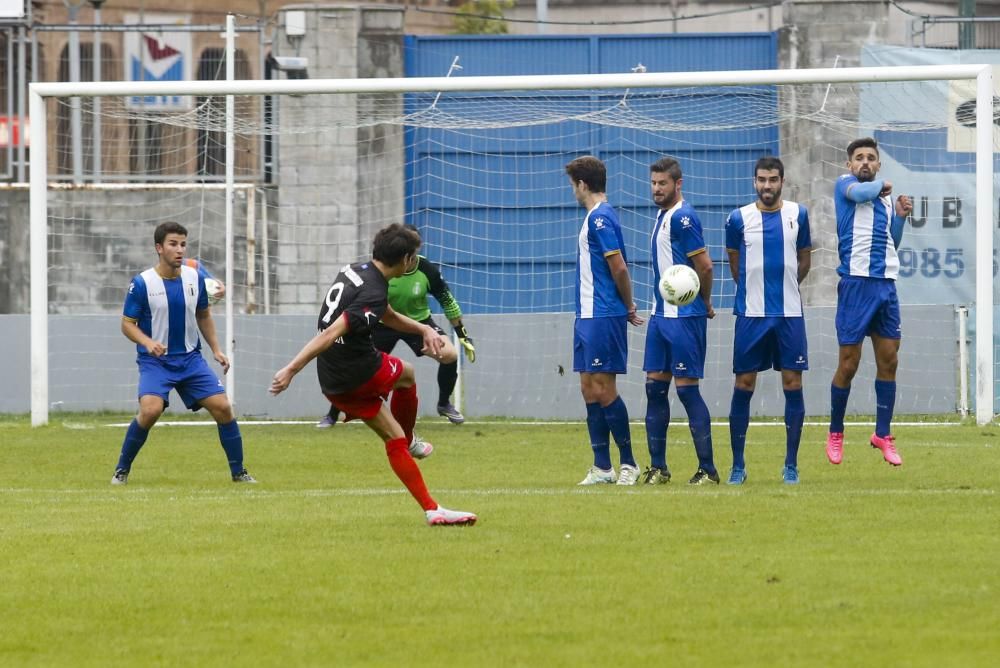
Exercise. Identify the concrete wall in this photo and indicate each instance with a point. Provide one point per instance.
(336, 186)
(99, 239)
(815, 34)
(524, 367)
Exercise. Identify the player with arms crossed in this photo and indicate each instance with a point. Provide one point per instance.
(603, 307)
(769, 246)
(408, 296)
(676, 337)
(869, 230)
(165, 308)
(357, 378)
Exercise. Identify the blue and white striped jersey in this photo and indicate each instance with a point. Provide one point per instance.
(864, 242)
(676, 238)
(164, 309)
(767, 284)
(600, 236)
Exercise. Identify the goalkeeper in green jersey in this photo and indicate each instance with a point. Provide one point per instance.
(408, 296)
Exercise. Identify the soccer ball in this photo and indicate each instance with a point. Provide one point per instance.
(679, 285)
(212, 287)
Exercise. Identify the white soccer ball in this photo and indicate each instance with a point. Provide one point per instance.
(212, 287)
(679, 285)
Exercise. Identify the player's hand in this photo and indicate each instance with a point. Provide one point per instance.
(220, 292)
(886, 189)
(711, 312)
(223, 362)
(469, 347)
(433, 342)
(633, 316)
(904, 206)
(156, 349)
(281, 380)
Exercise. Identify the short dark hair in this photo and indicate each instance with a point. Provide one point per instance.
(863, 142)
(767, 163)
(169, 227)
(668, 166)
(394, 242)
(591, 171)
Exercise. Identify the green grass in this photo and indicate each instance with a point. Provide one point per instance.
(328, 562)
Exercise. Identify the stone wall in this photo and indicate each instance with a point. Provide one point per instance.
(336, 186)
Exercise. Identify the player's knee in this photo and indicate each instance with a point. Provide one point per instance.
(408, 378)
(448, 355)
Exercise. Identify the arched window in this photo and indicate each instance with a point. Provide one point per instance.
(211, 110)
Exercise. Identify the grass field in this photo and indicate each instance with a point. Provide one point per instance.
(328, 562)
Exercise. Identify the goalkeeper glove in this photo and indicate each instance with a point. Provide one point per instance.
(468, 345)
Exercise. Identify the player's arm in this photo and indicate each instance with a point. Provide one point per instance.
(314, 347)
(805, 263)
(734, 264)
(904, 207)
(734, 241)
(623, 282)
(206, 325)
(866, 192)
(803, 245)
(401, 323)
(136, 304)
(703, 267)
(132, 332)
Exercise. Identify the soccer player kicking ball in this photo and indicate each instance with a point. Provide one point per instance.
(676, 337)
(603, 307)
(165, 308)
(768, 244)
(869, 230)
(357, 378)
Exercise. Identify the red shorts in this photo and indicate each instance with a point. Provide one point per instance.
(365, 401)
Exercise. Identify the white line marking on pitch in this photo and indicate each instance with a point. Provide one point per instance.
(517, 423)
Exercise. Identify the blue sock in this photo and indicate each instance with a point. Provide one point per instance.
(795, 414)
(701, 424)
(600, 436)
(657, 421)
(838, 407)
(885, 403)
(739, 421)
(232, 443)
(616, 415)
(135, 437)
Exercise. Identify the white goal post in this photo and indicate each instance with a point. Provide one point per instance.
(984, 116)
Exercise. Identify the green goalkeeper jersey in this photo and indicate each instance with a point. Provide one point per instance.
(408, 293)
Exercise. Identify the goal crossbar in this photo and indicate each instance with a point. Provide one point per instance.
(982, 74)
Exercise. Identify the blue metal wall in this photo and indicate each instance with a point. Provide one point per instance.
(485, 200)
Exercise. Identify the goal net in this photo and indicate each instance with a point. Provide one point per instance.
(478, 167)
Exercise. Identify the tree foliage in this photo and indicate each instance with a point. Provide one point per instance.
(482, 17)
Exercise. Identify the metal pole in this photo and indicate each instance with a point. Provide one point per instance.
(230, 157)
(12, 117)
(75, 116)
(984, 246)
(251, 250)
(963, 361)
(97, 129)
(542, 15)
(39, 270)
(265, 252)
(967, 29)
(22, 89)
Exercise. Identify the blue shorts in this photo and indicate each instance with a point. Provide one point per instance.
(600, 345)
(676, 346)
(867, 306)
(775, 343)
(188, 374)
